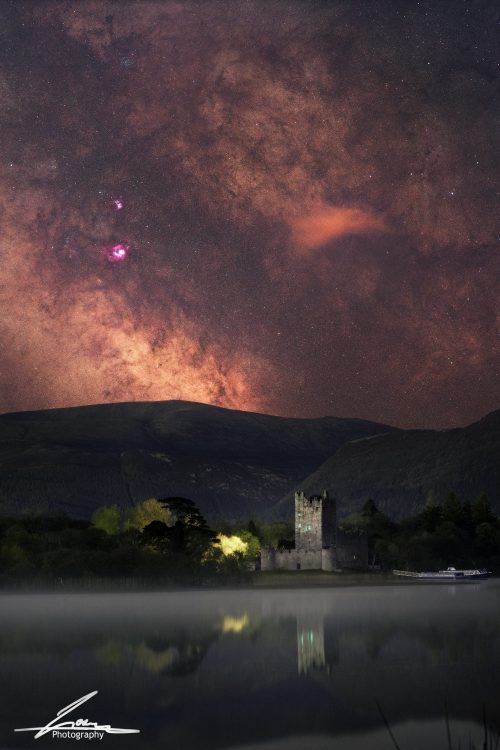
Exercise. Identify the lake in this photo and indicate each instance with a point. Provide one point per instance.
(284, 668)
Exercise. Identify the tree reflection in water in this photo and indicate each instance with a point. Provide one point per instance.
(206, 670)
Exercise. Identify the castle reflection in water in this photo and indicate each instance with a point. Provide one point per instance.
(203, 669)
(310, 644)
(315, 652)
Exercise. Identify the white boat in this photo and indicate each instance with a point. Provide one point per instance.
(450, 575)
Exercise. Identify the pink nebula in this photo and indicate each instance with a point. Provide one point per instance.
(118, 204)
(116, 253)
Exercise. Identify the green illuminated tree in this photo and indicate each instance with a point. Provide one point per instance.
(107, 518)
(253, 544)
(146, 512)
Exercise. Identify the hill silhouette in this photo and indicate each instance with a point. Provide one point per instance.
(232, 464)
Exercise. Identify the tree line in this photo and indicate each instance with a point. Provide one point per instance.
(170, 541)
(159, 540)
(453, 532)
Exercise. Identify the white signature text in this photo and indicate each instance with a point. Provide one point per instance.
(76, 729)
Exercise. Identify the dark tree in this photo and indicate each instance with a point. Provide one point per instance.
(156, 535)
(369, 508)
(453, 509)
(285, 545)
(481, 511)
(252, 528)
(431, 516)
(190, 534)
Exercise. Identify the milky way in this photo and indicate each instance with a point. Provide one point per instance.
(289, 207)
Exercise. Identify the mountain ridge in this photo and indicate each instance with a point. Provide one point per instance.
(231, 463)
(398, 470)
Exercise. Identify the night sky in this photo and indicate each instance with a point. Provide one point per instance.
(288, 207)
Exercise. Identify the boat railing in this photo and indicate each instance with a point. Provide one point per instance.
(409, 573)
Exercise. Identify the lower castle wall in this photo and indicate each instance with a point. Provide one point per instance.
(293, 560)
(324, 559)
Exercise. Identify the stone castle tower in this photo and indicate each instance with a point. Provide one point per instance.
(315, 522)
(315, 537)
(319, 543)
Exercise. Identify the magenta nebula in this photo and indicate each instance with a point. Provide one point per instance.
(117, 253)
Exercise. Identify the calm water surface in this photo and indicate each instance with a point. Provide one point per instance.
(287, 669)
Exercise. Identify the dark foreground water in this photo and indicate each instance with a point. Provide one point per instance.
(291, 669)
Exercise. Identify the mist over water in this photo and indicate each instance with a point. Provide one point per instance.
(255, 669)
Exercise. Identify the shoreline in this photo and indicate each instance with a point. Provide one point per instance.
(268, 580)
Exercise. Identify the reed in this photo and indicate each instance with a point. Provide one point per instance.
(491, 737)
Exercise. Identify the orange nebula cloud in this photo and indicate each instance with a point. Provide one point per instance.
(226, 200)
(331, 222)
(90, 345)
